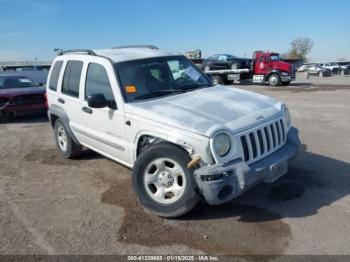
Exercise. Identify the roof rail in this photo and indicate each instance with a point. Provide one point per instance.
(136, 46)
(88, 51)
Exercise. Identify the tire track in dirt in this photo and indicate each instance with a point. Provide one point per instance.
(226, 229)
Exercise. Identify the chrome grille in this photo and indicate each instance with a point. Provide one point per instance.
(262, 141)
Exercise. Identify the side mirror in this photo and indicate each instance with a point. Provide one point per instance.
(97, 101)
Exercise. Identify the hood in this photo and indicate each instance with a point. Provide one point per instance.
(208, 110)
(12, 92)
(282, 66)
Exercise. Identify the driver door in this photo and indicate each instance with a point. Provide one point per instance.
(262, 66)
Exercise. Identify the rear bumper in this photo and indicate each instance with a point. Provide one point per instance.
(287, 78)
(222, 182)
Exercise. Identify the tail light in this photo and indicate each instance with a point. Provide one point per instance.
(46, 102)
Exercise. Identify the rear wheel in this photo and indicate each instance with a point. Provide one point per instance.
(217, 80)
(234, 66)
(163, 183)
(67, 146)
(274, 80)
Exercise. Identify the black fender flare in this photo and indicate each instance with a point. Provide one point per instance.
(275, 71)
(57, 112)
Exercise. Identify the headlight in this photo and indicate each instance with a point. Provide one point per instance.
(287, 118)
(222, 144)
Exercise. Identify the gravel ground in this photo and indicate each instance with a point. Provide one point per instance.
(49, 205)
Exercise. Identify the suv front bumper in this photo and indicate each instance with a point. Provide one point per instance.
(220, 183)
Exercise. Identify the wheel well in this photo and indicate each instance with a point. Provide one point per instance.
(53, 119)
(270, 74)
(146, 141)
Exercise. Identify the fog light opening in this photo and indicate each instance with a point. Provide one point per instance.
(225, 192)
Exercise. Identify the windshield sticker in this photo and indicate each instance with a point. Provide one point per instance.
(191, 72)
(23, 80)
(130, 89)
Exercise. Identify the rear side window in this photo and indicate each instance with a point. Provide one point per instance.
(55, 73)
(97, 82)
(71, 79)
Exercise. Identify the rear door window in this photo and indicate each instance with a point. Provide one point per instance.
(71, 79)
(55, 73)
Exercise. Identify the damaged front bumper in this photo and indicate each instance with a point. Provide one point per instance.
(220, 183)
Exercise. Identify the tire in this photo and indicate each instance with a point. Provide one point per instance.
(286, 83)
(217, 80)
(66, 145)
(234, 66)
(148, 173)
(274, 80)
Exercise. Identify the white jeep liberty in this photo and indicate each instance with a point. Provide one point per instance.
(155, 112)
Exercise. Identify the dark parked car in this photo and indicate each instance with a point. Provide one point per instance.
(224, 61)
(19, 95)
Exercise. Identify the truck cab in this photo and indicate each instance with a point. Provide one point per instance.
(268, 68)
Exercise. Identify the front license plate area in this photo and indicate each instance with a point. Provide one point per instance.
(277, 170)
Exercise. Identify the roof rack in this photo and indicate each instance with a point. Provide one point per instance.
(136, 46)
(88, 51)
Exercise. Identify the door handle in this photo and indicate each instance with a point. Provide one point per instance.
(87, 110)
(60, 100)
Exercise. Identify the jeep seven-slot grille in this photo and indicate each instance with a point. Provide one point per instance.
(263, 141)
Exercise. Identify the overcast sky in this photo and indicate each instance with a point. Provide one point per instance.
(33, 28)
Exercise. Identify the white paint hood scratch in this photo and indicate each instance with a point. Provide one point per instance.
(207, 110)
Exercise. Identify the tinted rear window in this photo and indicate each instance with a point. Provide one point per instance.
(71, 79)
(55, 73)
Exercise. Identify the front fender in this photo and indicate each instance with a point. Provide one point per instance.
(191, 145)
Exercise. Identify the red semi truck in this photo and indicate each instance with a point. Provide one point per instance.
(266, 67)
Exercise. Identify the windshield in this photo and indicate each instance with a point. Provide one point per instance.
(275, 57)
(231, 57)
(155, 77)
(7, 82)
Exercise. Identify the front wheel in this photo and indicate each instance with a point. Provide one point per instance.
(274, 80)
(207, 68)
(234, 66)
(163, 183)
(217, 80)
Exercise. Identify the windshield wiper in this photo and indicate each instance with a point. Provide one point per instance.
(194, 86)
(158, 93)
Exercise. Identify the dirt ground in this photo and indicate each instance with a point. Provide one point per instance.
(49, 205)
